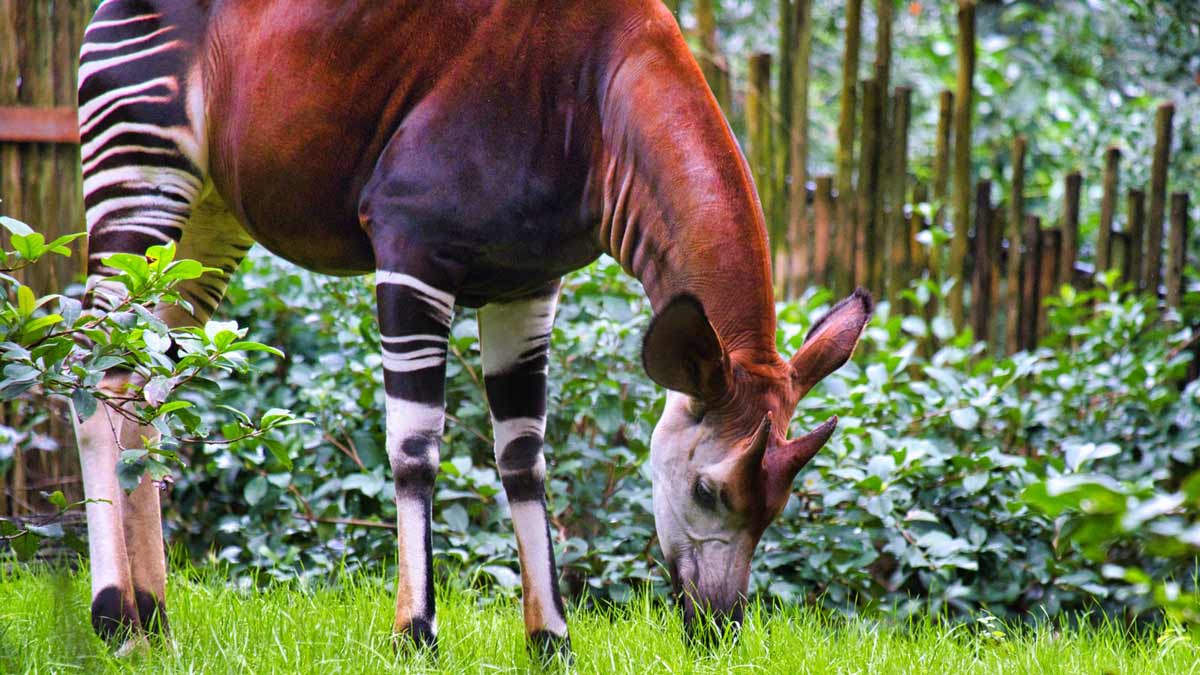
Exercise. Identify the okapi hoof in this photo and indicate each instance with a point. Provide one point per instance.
(152, 614)
(548, 649)
(416, 637)
(114, 615)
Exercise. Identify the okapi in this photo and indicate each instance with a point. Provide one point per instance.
(467, 153)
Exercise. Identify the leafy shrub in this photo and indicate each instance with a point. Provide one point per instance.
(917, 504)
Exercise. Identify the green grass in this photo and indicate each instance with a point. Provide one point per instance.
(44, 628)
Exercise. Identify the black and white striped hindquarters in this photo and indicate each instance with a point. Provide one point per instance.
(144, 152)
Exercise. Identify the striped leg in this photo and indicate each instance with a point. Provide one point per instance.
(144, 162)
(414, 320)
(515, 338)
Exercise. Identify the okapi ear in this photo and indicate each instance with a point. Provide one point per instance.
(682, 352)
(782, 463)
(831, 340)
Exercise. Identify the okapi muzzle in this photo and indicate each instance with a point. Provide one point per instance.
(722, 469)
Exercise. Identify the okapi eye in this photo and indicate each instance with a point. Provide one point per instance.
(704, 495)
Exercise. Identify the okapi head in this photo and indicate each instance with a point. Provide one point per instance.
(723, 467)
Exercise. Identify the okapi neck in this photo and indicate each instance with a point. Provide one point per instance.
(679, 210)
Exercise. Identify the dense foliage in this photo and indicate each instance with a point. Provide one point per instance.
(953, 482)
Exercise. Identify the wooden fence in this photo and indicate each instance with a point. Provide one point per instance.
(859, 225)
(40, 184)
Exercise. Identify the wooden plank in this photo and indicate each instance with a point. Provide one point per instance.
(1070, 228)
(1152, 270)
(866, 246)
(822, 215)
(1134, 261)
(1030, 268)
(844, 163)
(801, 239)
(1016, 221)
(900, 267)
(1177, 249)
(1108, 208)
(1049, 259)
(981, 270)
(961, 195)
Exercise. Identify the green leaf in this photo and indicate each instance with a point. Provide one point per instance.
(84, 402)
(58, 499)
(255, 490)
(15, 226)
(965, 418)
(245, 346)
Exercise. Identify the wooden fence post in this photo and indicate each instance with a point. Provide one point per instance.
(981, 276)
(961, 198)
(1070, 228)
(941, 175)
(1134, 261)
(867, 244)
(1016, 221)
(1120, 253)
(822, 215)
(1108, 207)
(846, 219)
(1050, 257)
(1030, 269)
(900, 263)
(1152, 272)
(758, 128)
(800, 230)
(1177, 249)
(712, 63)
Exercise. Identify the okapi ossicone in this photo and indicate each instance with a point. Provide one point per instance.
(467, 153)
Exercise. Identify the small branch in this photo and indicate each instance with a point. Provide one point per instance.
(356, 522)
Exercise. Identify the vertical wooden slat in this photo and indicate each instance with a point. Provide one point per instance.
(712, 62)
(867, 244)
(1152, 270)
(1016, 221)
(822, 215)
(1108, 208)
(981, 276)
(1177, 249)
(900, 264)
(961, 197)
(1050, 256)
(800, 231)
(941, 176)
(758, 127)
(1070, 228)
(1030, 270)
(1120, 252)
(1134, 225)
(844, 164)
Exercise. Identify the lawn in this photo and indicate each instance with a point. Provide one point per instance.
(218, 629)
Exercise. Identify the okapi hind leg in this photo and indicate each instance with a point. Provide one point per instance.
(416, 304)
(515, 340)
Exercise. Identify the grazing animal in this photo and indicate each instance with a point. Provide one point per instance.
(467, 153)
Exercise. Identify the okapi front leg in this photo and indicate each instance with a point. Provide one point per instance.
(515, 339)
(414, 321)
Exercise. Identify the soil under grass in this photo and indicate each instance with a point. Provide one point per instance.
(44, 628)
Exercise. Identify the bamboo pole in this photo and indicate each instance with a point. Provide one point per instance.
(900, 265)
(1136, 203)
(1015, 222)
(1051, 254)
(1120, 252)
(782, 132)
(712, 62)
(883, 44)
(822, 217)
(1030, 268)
(1070, 228)
(801, 240)
(1152, 270)
(941, 175)
(844, 164)
(961, 197)
(981, 276)
(1177, 249)
(758, 127)
(1108, 207)
(867, 240)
